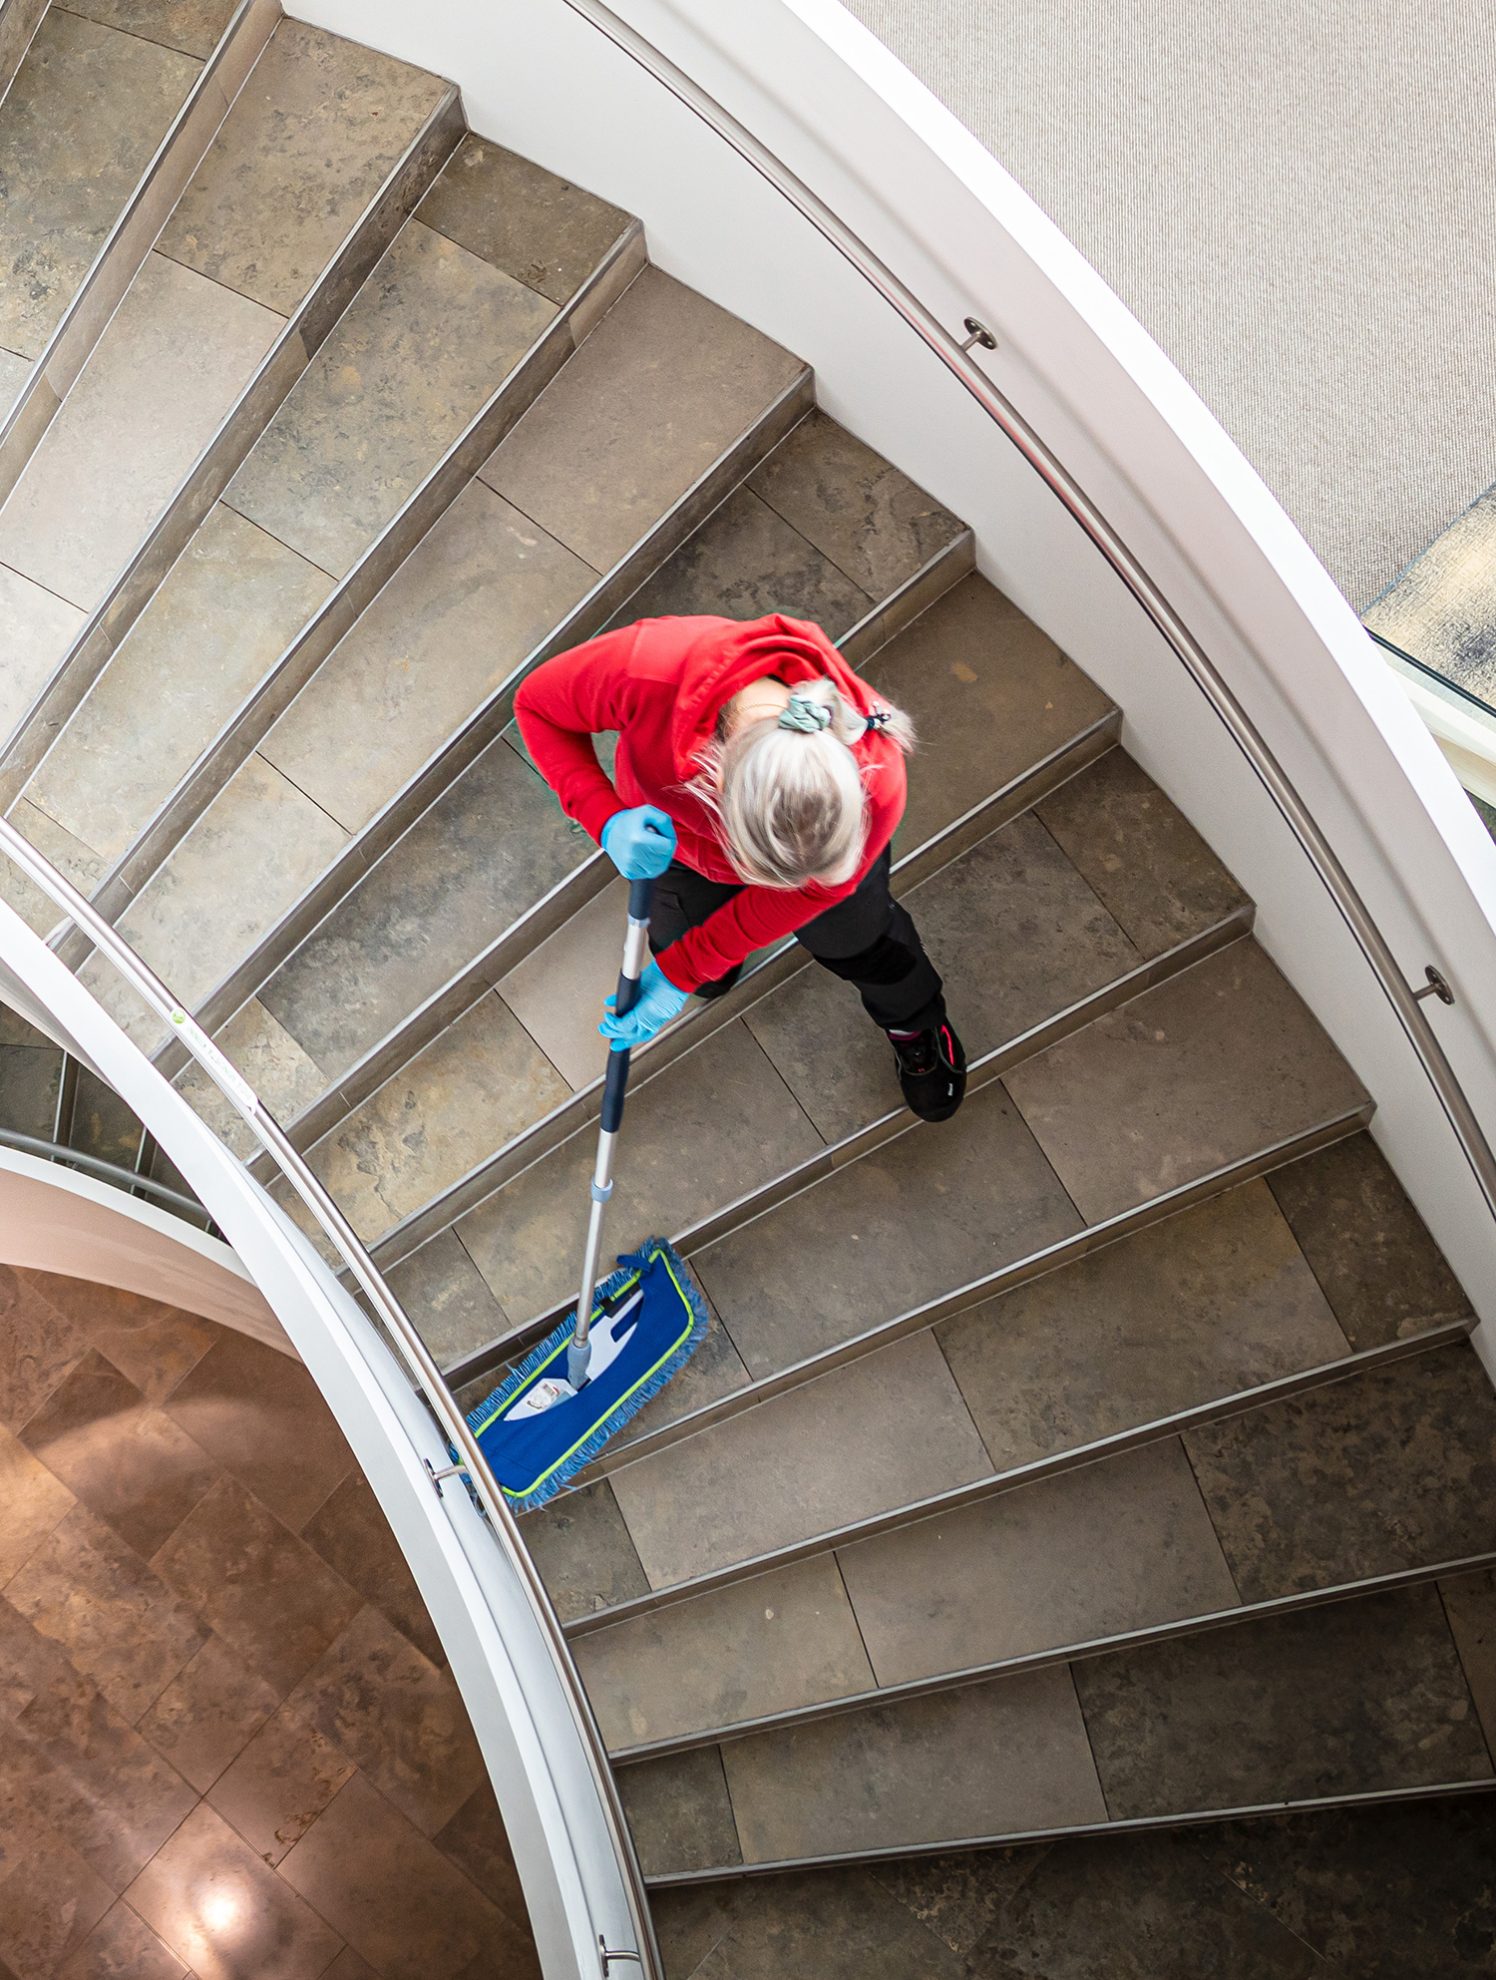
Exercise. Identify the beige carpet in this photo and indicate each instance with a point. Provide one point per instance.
(1298, 200)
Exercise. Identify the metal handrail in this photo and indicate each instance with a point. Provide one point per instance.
(957, 354)
(110, 1172)
(400, 1332)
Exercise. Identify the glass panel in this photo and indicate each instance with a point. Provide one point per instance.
(1462, 722)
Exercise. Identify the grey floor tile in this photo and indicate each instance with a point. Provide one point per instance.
(840, 1924)
(427, 340)
(746, 561)
(768, 1645)
(1016, 934)
(1440, 607)
(583, 1550)
(1204, 1305)
(1369, 1248)
(490, 847)
(857, 509)
(481, 1081)
(1143, 857)
(886, 1429)
(1202, 1071)
(923, 1214)
(29, 1079)
(1024, 1571)
(36, 630)
(679, 1812)
(665, 384)
(270, 1059)
(1470, 1604)
(173, 360)
(1344, 1699)
(14, 372)
(992, 693)
(557, 991)
(1395, 1468)
(72, 859)
(194, 26)
(82, 118)
(220, 620)
(103, 1125)
(981, 1760)
(957, 1897)
(303, 151)
(686, 1152)
(477, 595)
(544, 232)
(443, 1292)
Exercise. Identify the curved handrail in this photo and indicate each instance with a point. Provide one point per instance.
(102, 1171)
(401, 1334)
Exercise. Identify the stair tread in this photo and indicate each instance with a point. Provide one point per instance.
(194, 26)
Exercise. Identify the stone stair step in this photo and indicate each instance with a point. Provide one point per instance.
(19, 21)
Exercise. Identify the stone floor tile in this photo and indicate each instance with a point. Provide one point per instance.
(72, 859)
(392, 1894)
(855, 507)
(1204, 1070)
(993, 694)
(423, 345)
(839, 1925)
(224, 1912)
(1395, 1468)
(481, 1081)
(1023, 1572)
(1470, 1604)
(280, 1783)
(444, 1293)
(103, 1124)
(490, 847)
(397, 1716)
(679, 1811)
(37, 628)
(128, 1462)
(1143, 857)
(1343, 1699)
(537, 228)
(14, 372)
(557, 991)
(223, 615)
(83, 117)
(30, 1076)
(958, 1897)
(477, 595)
(317, 112)
(153, 1344)
(665, 384)
(883, 1431)
(208, 1713)
(263, 1418)
(281, 1074)
(1208, 1303)
(174, 358)
(272, 1600)
(1439, 608)
(120, 1625)
(194, 26)
(476, 1841)
(526, 1239)
(353, 1536)
(1370, 1250)
(1016, 934)
(768, 1645)
(920, 1215)
(50, 1900)
(582, 1548)
(122, 1947)
(918, 1771)
(744, 562)
(38, 1345)
(33, 1503)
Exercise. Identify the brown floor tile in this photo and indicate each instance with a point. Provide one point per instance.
(131, 1464)
(122, 1947)
(153, 1344)
(353, 1536)
(841, 1925)
(38, 1345)
(280, 1784)
(225, 1913)
(397, 1716)
(208, 1713)
(259, 1414)
(1470, 1605)
(476, 1841)
(350, 1965)
(119, 1623)
(679, 1811)
(32, 1503)
(49, 1902)
(266, 1593)
(392, 1894)
(29, 1662)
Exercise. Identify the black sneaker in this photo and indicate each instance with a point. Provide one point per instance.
(932, 1070)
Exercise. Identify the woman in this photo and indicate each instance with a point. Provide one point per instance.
(760, 780)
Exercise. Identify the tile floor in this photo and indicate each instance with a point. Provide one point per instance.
(227, 1730)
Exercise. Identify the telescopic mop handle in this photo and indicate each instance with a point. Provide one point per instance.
(615, 1086)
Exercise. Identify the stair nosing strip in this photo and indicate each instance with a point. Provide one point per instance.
(8, 76)
(1075, 1457)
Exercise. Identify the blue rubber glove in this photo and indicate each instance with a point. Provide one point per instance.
(641, 842)
(657, 1003)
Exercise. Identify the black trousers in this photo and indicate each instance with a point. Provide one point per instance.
(869, 940)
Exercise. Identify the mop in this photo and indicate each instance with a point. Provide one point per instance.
(626, 1337)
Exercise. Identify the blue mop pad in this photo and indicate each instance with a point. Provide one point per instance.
(536, 1431)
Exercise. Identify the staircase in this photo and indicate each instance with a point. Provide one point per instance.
(1110, 1457)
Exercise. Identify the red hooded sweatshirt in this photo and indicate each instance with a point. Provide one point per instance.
(662, 683)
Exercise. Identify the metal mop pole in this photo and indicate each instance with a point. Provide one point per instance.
(579, 1352)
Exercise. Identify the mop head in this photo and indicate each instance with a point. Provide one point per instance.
(537, 1431)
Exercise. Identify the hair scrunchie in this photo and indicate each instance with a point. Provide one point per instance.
(804, 715)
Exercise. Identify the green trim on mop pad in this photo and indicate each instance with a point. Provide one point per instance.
(647, 1321)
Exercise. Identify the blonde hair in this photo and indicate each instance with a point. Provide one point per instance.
(790, 799)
